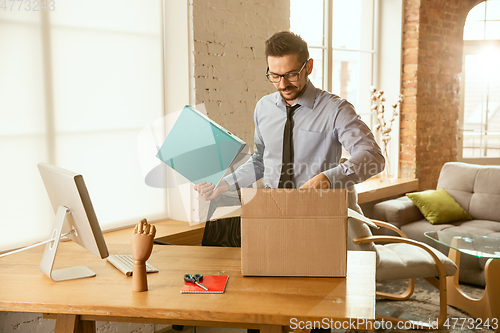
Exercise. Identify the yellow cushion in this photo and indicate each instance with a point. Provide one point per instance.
(438, 206)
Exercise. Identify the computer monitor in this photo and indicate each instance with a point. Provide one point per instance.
(74, 214)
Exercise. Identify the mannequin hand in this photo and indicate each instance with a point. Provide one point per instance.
(142, 240)
(320, 181)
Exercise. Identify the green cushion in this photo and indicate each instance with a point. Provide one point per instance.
(438, 206)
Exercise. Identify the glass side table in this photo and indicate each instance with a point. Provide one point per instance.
(488, 306)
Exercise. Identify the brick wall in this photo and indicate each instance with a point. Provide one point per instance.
(432, 62)
(229, 61)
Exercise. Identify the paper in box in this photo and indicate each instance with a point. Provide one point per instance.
(291, 232)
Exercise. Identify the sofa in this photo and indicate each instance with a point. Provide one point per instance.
(476, 189)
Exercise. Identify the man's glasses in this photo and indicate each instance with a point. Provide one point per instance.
(290, 77)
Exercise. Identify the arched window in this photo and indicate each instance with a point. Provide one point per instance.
(479, 139)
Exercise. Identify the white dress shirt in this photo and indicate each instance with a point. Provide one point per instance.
(323, 123)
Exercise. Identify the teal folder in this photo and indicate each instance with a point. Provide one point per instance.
(198, 148)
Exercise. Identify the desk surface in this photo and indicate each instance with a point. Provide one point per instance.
(252, 302)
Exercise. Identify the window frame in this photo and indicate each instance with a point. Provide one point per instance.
(328, 49)
(471, 47)
(387, 65)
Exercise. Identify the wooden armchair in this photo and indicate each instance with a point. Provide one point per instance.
(404, 258)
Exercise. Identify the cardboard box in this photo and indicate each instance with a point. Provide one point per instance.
(288, 232)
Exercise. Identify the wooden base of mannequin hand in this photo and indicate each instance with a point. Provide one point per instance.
(142, 246)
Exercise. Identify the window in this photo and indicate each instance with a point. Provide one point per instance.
(77, 84)
(479, 137)
(341, 42)
(353, 51)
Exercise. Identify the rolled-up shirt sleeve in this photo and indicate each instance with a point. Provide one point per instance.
(253, 169)
(323, 123)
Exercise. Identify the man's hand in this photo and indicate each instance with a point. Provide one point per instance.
(320, 181)
(205, 189)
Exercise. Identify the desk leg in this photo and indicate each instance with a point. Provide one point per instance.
(72, 324)
(271, 329)
(280, 329)
(288, 329)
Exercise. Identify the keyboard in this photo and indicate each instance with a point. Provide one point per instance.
(125, 264)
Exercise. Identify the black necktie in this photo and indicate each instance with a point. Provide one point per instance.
(287, 179)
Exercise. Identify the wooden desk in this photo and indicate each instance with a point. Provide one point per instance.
(374, 189)
(249, 302)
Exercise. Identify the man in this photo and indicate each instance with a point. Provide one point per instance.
(300, 131)
(299, 134)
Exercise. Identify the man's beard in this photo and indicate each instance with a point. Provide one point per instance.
(291, 97)
(295, 95)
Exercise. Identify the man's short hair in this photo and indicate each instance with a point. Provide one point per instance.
(285, 43)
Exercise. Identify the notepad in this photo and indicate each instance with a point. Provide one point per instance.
(216, 284)
(198, 148)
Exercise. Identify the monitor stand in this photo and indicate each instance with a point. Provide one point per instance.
(47, 263)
